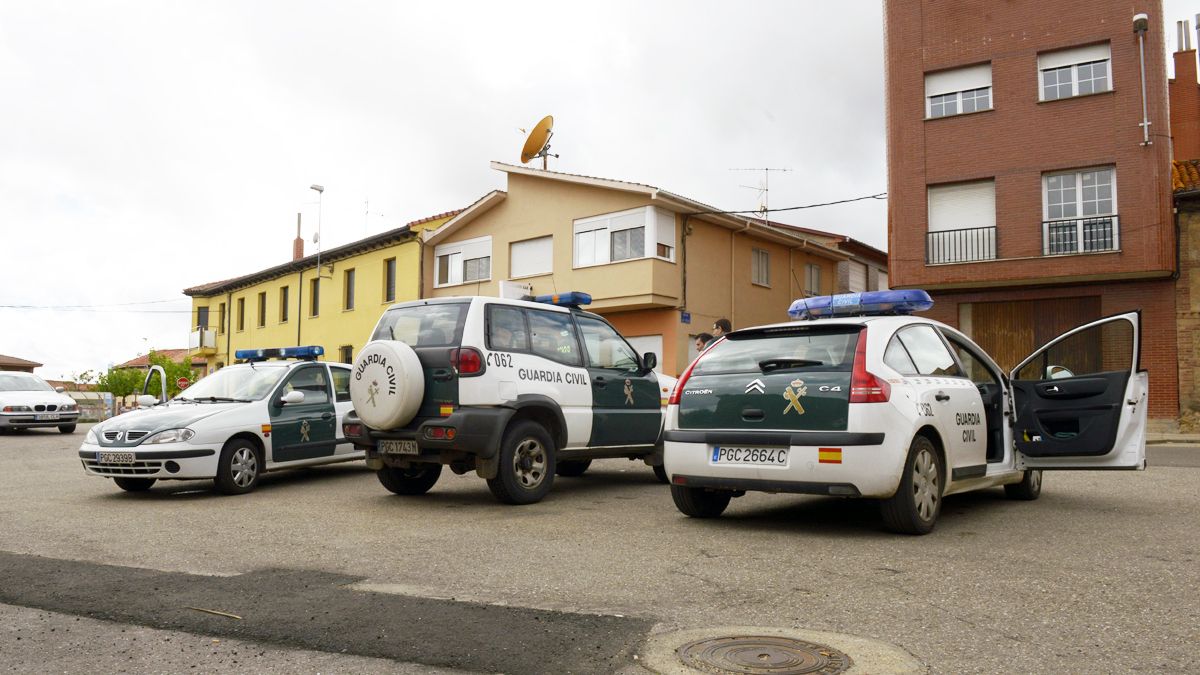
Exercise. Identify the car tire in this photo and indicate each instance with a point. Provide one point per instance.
(660, 472)
(573, 469)
(413, 480)
(698, 502)
(1029, 489)
(918, 501)
(134, 484)
(66, 429)
(239, 468)
(527, 465)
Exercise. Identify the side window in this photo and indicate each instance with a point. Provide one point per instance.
(341, 384)
(1105, 348)
(506, 329)
(896, 356)
(605, 347)
(977, 372)
(928, 352)
(552, 335)
(312, 381)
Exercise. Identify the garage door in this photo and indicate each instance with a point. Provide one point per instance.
(1010, 331)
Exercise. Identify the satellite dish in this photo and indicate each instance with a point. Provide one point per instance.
(538, 142)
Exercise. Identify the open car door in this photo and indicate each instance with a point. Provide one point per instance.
(1081, 400)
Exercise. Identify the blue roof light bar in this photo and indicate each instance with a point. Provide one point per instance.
(310, 352)
(571, 299)
(861, 304)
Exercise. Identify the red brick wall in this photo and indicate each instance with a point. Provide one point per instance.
(1185, 107)
(1020, 138)
(1156, 300)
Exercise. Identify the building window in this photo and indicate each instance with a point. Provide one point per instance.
(346, 353)
(262, 309)
(812, 279)
(462, 262)
(389, 280)
(314, 297)
(958, 91)
(531, 257)
(241, 314)
(646, 232)
(961, 222)
(1075, 72)
(760, 267)
(283, 304)
(1080, 212)
(348, 287)
(221, 318)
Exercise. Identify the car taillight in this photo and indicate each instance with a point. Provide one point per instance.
(678, 390)
(352, 430)
(865, 387)
(466, 361)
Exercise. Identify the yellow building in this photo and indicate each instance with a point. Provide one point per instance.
(661, 267)
(289, 305)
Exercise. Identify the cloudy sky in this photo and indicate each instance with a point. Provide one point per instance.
(151, 146)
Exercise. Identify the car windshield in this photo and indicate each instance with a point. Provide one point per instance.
(237, 383)
(23, 382)
(431, 325)
(826, 349)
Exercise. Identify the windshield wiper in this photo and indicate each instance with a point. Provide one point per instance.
(223, 399)
(767, 365)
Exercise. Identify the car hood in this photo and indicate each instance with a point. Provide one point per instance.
(32, 398)
(161, 417)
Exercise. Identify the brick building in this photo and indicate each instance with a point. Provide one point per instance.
(1025, 193)
(1184, 94)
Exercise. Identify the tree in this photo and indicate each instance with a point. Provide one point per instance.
(125, 381)
(121, 381)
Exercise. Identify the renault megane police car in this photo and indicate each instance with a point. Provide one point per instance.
(858, 398)
(232, 426)
(515, 390)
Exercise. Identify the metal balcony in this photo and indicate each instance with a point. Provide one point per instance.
(960, 246)
(1081, 235)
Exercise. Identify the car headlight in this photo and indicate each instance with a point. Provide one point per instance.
(69, 407)
(17, 408)
(170, 436)
(91, 437)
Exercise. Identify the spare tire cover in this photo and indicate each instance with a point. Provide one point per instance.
(387, 385)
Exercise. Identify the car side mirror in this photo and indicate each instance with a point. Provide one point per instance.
(1058, 372)
(59, 389)
(147, 401)
(293, 396)
(649, 361)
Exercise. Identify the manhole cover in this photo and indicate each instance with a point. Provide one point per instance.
(763, 655)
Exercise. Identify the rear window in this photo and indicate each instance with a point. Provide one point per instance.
(823, 349)
(432, 325)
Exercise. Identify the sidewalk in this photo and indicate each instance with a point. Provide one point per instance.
(1179, 439)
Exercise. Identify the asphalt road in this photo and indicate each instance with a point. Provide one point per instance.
(328, 571)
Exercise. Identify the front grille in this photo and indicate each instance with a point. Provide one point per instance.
(111, 435)
(45, 408)
(138, 468)
(135, 435)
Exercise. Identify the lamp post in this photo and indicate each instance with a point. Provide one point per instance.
(320, 196)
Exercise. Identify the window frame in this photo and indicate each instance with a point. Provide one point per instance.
(333, 380)
(314, 297)
(348, 277)
(578, 356)
(456, 256)
(241, 314)
(283, 304)
(515, 247)
(760, 270)
(389, 280)
(811, 269)
(1073, 58)
(657, 225)
(221, 318)
(488, 314)
(262, 309)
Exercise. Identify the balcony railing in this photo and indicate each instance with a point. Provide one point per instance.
(958, 246)
(202, 338)
(1081, 235)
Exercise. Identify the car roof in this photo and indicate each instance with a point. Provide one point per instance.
(891, 321)
(489, 299)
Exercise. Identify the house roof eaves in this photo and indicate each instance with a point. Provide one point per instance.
(464, 216)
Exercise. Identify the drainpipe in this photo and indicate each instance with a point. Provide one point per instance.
(299, 306)
(420, 265)
(229, 328)
(1141, 22)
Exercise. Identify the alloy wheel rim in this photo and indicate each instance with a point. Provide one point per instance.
(244, 466)
(925, 484)
(529, 463)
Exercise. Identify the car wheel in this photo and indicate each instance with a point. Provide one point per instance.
(1028, 489)
(698, 502)
(134, 484)
(413, 480)
(239, 468)
(915, 506)
(67, 428)
(660, 472)
(526, 465)
(573, 469)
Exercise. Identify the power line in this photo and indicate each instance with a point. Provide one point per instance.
(878, 195)
(97, 306)
(96, 310)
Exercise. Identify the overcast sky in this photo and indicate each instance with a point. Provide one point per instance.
(147, 147)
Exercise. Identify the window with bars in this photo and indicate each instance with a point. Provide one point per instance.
(1080, 213)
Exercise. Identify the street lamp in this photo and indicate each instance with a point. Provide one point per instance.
(320, 196)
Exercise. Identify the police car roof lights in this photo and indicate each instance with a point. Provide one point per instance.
(571, 299)
(861, 304)
(310, 352)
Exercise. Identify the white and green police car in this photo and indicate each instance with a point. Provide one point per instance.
(857, 398)
(515, 390)
(232, 426)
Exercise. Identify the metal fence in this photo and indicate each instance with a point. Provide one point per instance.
(956, 246)
(1080, 235)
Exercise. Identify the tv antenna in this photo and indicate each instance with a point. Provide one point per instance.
(537, 144)
(764, 189)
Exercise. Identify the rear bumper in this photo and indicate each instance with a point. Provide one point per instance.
(760, 485)
(477, 432)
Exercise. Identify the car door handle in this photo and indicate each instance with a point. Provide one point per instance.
(753, 415)
(942, 396)
(599, 381)
(326, 415)
(443, 375)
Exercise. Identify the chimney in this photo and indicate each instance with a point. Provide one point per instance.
(298, 242)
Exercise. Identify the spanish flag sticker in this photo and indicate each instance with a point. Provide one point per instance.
(446, 410)
(829, 455)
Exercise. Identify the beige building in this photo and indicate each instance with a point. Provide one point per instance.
(661, 267)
